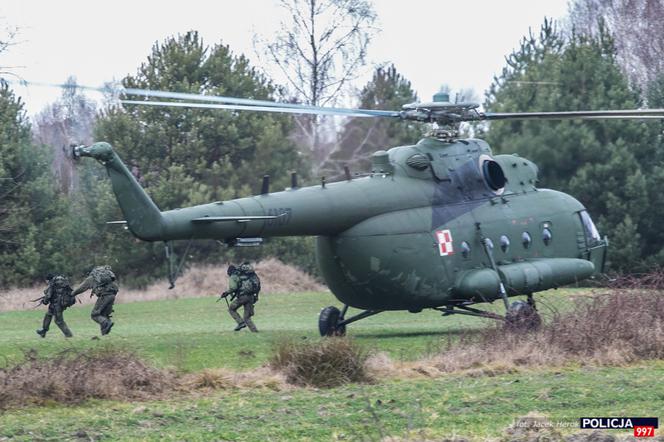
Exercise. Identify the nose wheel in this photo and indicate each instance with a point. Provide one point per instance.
(522, 316)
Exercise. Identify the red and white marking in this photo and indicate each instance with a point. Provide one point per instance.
(444, 238)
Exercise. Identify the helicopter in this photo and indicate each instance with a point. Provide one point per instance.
(443, 224)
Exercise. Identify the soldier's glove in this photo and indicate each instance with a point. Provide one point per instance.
(45, 301)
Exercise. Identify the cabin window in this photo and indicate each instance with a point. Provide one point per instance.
(465, 250)
(526, 240)
(592, 235)
(546, 236)
(489, 243)
(504, 243)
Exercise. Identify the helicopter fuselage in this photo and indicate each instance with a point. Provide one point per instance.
(439, 223)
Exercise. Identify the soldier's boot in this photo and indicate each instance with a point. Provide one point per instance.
(240, 326)
(106, 328)
(41, 332)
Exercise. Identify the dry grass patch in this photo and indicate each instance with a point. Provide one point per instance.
(328, 363)
(200, 280)
(72, 377)
(223, 379)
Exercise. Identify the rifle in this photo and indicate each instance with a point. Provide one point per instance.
(224, 295)
(40, 301)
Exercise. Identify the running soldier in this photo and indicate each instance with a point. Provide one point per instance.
(243, 286)
(58, 296)
(102, 282)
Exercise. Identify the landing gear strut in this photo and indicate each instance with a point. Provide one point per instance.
(332, 322)
(520, 315)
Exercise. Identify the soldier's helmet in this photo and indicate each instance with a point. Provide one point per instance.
(49, 276)
(246, 267)
(231, 269)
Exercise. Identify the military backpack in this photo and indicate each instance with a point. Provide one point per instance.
(250, 284)
(63, 291)
(102, 275)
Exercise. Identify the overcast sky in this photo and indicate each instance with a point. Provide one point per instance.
(431, 42)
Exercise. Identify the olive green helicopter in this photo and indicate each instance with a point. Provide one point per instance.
(443, 224)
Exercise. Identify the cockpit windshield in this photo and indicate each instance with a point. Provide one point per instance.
(592, 235)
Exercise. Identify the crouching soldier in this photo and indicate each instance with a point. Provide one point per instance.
(102, 282)
(58, 296)
(243, 286)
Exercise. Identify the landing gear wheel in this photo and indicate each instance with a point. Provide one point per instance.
(522, 316)
(327, 322)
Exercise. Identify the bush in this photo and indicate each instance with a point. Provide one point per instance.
(614, 327)
(73, 376)
(328, 363)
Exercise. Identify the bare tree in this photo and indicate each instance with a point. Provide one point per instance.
(637, 29)
(8, 36)
(70, 120)
(319, 50)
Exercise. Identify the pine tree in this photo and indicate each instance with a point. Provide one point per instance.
(605, 164)
(185, 157)
(35, 232)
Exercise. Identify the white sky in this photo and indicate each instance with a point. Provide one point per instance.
(431, 42)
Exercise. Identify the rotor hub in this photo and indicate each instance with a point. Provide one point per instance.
(442, 113)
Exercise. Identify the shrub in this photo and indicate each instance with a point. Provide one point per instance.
(327, 363)
(615, 327)
(73, 376)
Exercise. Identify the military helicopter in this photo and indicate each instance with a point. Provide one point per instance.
(443, 224)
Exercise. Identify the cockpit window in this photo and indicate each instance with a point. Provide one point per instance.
(592, 234)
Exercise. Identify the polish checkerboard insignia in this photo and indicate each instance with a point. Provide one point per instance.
(444, 238)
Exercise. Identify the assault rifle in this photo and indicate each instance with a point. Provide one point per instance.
(224, 296)
(39, 301)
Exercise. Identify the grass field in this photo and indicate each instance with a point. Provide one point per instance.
(196, 333)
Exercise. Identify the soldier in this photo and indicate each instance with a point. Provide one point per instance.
(243, 286)
(102, 282)
(58, 296)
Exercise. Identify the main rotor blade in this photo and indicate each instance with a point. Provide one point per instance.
(627, 114)
(232, 103)
(289, 110)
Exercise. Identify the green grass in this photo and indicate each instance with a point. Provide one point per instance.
(453, 405)
(192, 334)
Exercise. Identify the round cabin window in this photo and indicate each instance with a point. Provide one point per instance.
(504, 243)
(465, 250)
(526, 240)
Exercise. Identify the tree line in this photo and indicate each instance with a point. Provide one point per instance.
(53, 210)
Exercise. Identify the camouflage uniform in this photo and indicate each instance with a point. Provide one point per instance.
(54, 296)
(102, 282)
(243, 297)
